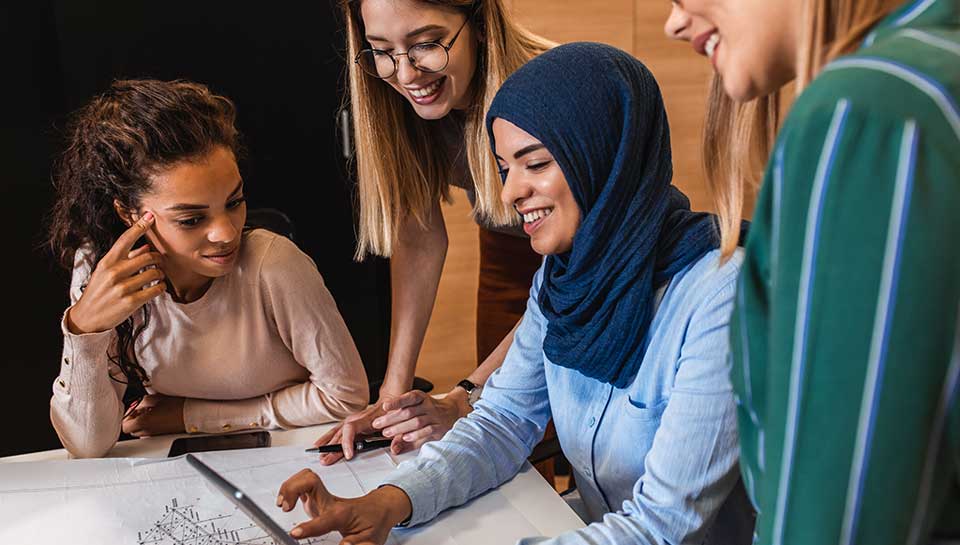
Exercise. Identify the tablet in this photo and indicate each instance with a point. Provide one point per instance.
(243, 502)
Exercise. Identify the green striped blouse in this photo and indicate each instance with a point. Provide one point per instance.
(845, 334)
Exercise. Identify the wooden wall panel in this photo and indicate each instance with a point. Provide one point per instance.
(449, 348)
(565, 21)
(637, 26)
(684, 78)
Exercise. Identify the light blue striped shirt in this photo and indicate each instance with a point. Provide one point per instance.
(654, 462)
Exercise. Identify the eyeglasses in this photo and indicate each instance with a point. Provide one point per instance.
(427, 57)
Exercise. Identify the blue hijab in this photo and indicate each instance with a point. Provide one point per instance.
(599, 112)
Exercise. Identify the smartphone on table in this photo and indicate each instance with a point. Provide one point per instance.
(206, 443)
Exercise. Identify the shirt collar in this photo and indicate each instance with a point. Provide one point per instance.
(915, 13)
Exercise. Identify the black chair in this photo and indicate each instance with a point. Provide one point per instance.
(272, 220)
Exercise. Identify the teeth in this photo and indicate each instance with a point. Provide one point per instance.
(531, 217)
(711, 44)
(426, 91)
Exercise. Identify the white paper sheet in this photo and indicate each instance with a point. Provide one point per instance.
(165, 502)
(162, 502)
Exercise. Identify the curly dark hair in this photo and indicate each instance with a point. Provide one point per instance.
(114, 146)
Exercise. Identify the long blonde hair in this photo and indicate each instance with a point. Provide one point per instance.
(738, 137)
(402, 161)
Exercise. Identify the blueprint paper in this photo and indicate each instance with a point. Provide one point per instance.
(163, 502)
(140, 501)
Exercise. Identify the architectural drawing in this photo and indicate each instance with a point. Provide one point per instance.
(190, 525)
(147, 501)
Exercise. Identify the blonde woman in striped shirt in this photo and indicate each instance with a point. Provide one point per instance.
(845, 334)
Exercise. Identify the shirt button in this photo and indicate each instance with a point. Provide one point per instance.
(253, 424)
(593, 420)
(226, 427)
(193, 429)
(66, 361)
(62, 383)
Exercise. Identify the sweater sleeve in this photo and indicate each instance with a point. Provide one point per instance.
(87, 408)
(306, 318)
(312, 328)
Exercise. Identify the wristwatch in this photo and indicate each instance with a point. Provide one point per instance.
(473, 391)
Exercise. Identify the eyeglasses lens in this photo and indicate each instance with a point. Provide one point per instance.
(426, 57)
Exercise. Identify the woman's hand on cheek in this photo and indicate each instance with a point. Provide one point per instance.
(155, 414)
(123, 281)
(367, 519)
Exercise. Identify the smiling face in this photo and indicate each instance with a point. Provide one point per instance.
(536, 187)
(200, 211)
(681, 25)
(396, 25)
(752, 44)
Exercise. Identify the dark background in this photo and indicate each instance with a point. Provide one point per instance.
(281, 63)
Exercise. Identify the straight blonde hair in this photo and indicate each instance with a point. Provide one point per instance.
(738, 137)
(403, 167)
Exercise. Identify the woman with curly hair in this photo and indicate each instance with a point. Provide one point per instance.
(208, 326)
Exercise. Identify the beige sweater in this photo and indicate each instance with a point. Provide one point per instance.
(265, 347)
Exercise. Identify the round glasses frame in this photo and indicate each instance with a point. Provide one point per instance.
(423, 47)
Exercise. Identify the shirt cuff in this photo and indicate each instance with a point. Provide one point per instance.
(84, 357)
(418, 486)
(207, 416)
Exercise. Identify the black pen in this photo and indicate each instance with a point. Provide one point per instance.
(359, 445)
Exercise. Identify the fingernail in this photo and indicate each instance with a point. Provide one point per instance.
(296, 532)
(407, 438)
(148, 216)
(378, 423)
(387, 433)
(279, 501)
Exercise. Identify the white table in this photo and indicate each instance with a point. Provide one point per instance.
(528, 492)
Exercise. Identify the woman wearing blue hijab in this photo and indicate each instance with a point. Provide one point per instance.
(624, 341)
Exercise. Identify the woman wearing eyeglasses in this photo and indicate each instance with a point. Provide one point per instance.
(422, 76)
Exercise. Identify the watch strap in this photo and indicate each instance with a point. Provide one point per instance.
(467, 385)
(473, 391)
